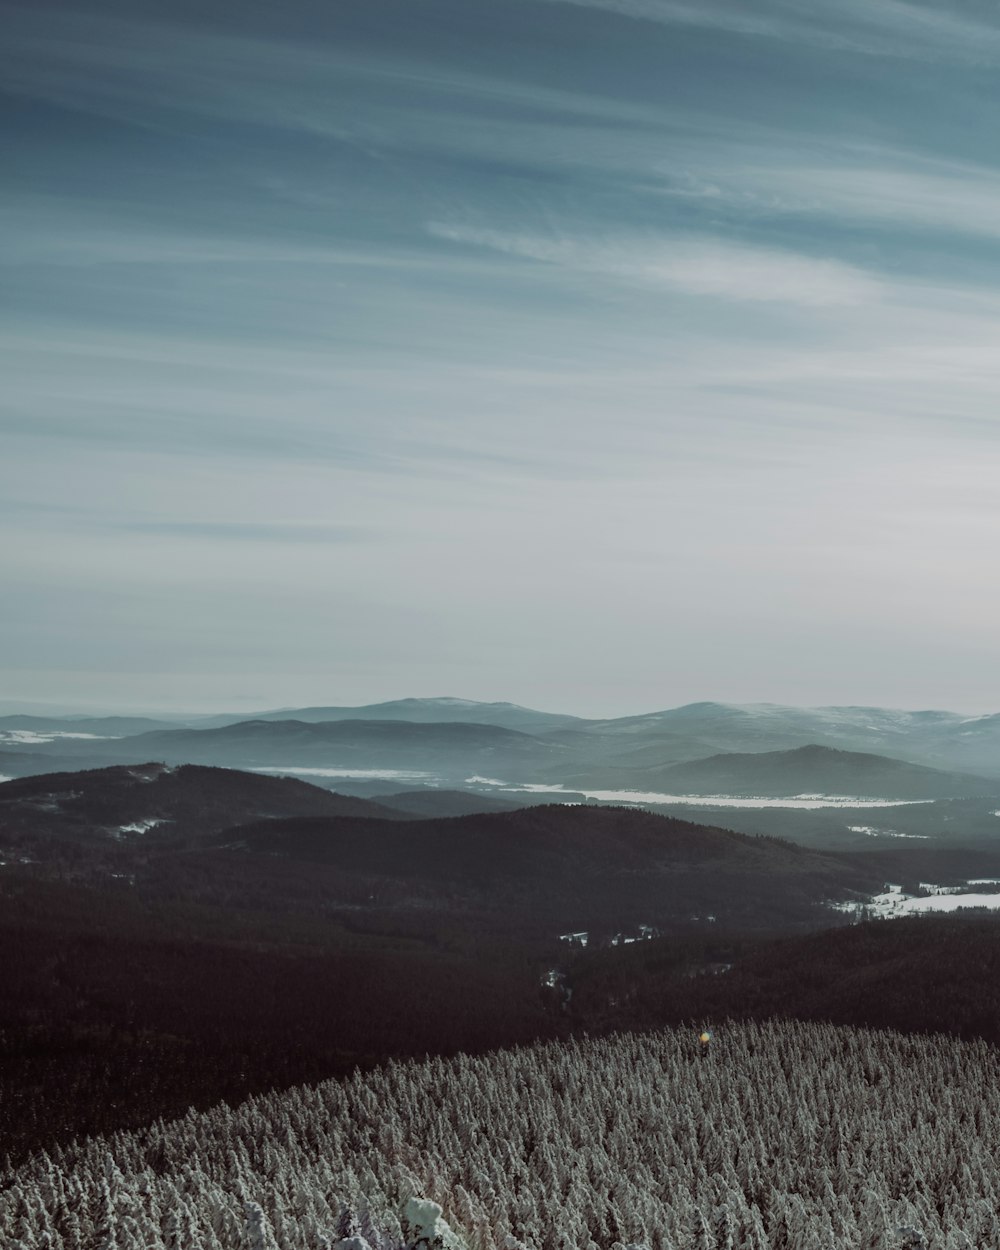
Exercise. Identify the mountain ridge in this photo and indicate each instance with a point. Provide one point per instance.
(808, 769)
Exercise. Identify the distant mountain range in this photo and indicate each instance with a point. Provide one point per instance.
(423, 711)
(703, 748)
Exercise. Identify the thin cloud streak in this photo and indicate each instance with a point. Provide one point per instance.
(700, 267)
(892, 188)
(108, 63)
(884, 28)
(382, 362)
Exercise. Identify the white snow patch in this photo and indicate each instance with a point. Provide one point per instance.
(484, 781)
(423, 1225)
(893, 903)
(872, 832)
(951, 902)
(154, 772)
(142, 826)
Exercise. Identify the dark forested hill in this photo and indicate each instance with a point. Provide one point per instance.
(157, 803)
(430, 802)
(936, 973)
(579, 866)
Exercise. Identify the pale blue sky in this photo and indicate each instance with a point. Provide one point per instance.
(599, 355)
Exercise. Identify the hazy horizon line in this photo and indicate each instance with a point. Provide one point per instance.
(66, 709)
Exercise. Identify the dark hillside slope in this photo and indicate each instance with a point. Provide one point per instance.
(576, 865)
(429, 803)
(117, 1007)
(917, 974)
(160, 803)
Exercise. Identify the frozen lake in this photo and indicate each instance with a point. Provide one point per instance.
(34, 737)
(560, 794)
(808, 802)
(360, 774)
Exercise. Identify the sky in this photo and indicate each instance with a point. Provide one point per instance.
(598, 355)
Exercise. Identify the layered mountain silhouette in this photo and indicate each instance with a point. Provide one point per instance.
(447, 747)
(809, 769)
(420, 711)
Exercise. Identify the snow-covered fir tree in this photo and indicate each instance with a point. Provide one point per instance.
(787, 1137)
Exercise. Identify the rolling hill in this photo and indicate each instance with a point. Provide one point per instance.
(582, 867)
(938, 739)
(919, 974)
(429, 802)
(158, 804)
(810, 769)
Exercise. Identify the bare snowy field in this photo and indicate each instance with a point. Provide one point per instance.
(893, 902)
(782, 1136)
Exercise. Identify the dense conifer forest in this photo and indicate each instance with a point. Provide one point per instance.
(916, 974)
(117, 1007)
(780, 1137)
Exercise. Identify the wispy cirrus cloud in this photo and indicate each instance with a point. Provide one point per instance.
(889, 28)
(874, 186)
(690, 265)
(109, 64)
(360, 333)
